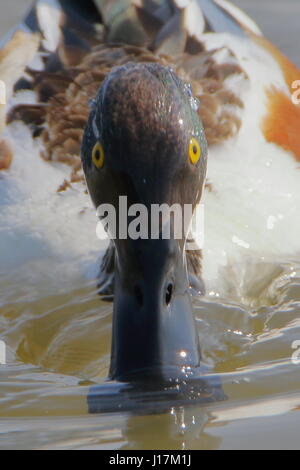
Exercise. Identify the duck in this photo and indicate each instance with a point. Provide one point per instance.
(164, 102)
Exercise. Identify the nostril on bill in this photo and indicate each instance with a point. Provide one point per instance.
(169, 293)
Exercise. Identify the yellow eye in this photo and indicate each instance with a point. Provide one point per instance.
(98, 155)
(194, 151)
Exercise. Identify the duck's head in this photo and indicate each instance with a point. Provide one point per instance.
(144, 140)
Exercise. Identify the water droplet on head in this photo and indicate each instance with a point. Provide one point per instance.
(92, 103)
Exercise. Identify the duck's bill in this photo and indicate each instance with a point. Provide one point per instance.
(154, 332)
(156, 361)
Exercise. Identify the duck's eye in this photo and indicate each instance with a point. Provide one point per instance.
(98, 155)
(194, 151)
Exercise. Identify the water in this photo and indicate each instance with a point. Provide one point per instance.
(58, 344)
